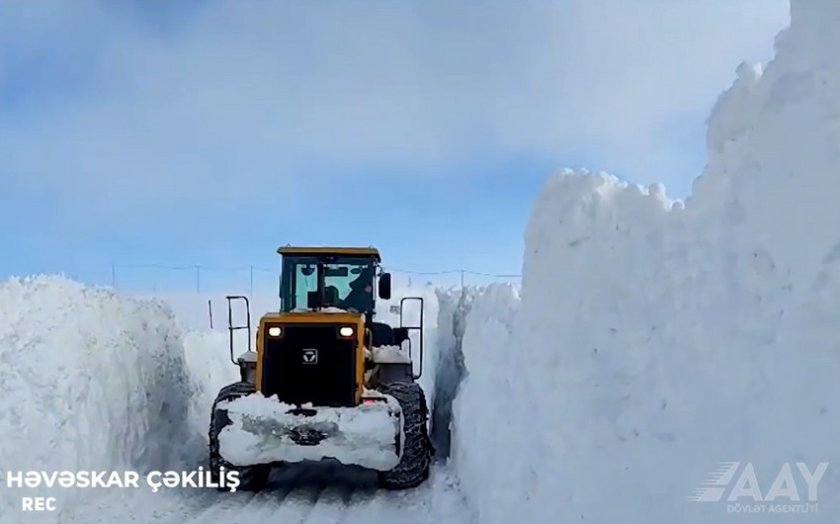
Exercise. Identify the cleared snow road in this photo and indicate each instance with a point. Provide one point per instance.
(324, 494)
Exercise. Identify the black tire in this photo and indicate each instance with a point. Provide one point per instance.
(413, 468)
(251, 478)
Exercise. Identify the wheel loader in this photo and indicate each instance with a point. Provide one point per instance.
(327, 380)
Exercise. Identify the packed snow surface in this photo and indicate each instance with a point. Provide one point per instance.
(262, 431)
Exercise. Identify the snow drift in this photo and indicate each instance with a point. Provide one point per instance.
(655, 339)
(91, 381)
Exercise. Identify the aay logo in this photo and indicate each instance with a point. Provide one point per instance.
(310, 356)
(747, 487)
(716, 482)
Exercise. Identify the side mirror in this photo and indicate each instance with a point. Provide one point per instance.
(385, 286)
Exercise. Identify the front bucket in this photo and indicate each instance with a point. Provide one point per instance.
(263, 431)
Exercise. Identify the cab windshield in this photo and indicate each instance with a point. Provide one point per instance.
(348, 283)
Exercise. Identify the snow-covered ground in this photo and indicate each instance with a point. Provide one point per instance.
(325, 494)
(650, 341)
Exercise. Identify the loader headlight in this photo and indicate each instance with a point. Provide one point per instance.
(346, 331)
(275, 331)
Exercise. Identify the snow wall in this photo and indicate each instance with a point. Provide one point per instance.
(91, 381)
(656, 339)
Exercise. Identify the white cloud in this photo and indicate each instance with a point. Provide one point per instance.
(237, 94)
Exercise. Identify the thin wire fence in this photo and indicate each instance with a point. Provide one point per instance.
(200, 278)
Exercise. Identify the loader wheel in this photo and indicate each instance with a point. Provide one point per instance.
(417, 452)
(251, 478)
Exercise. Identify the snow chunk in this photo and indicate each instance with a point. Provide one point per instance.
(248, 356)
(390, 355)
(263, 431)
(332, 309)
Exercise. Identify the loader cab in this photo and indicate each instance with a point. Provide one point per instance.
(314, 279)
(332, 278)
(318, 348)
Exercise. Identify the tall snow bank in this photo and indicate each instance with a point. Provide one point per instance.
(492, 410)
(453, 308)
(90, 381)
(655, 340)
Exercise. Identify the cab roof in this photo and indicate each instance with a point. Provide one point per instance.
(371, 252)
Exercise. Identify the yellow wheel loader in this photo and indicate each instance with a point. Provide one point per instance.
(327, 381)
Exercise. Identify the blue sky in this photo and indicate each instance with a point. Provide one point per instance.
(210, 132)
